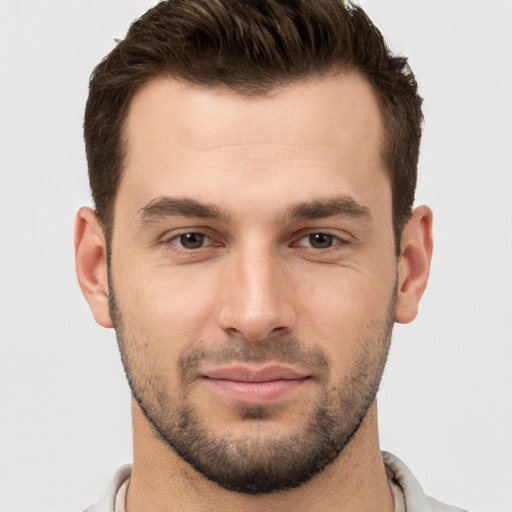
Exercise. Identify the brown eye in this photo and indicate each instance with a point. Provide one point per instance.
(191, 240)
(320, 240)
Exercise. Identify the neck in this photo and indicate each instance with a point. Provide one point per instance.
(162, 481)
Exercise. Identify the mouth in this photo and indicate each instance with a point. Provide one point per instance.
(255, 385)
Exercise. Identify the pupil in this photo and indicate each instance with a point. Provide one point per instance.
(192, 240)
(320, 240)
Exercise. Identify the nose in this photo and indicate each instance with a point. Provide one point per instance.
(256, 297)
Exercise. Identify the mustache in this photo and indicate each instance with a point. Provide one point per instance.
(285, 350)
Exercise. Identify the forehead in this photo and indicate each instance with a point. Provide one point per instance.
(334, 102)
(304, 135)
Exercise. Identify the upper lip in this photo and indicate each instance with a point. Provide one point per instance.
(247, 373)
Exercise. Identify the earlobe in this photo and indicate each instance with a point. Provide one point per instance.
(414, 265)
(91, 264)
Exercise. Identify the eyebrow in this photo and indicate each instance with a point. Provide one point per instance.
(344, 206)
(163, 207)
(166, 206)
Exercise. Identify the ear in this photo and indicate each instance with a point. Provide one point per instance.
(414, 264)
(91, 264)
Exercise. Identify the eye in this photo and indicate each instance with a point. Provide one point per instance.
(319, 240)
(191, 240)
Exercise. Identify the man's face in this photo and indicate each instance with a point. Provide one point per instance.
(253, 273)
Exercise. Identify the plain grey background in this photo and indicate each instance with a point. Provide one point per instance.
(446, 398)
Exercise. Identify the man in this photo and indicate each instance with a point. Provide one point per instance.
(253, 168)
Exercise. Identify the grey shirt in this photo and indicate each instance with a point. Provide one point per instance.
(415, 499)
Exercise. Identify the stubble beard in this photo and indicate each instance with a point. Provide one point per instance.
(261, 463)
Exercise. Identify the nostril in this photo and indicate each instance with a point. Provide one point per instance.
(280, 330)
(231, 331)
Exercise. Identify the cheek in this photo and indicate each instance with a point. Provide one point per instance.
(169, 306)
(343, 312)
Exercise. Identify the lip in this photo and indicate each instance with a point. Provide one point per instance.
(255, 385)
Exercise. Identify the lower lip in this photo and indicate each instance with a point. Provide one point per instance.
(256, 392)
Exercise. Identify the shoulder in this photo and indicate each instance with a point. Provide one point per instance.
(415, 498)
(108, 499)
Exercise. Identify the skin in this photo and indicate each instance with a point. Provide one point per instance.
(257, 276)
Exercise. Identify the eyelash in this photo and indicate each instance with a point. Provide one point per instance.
(335, 240)
(177, 240)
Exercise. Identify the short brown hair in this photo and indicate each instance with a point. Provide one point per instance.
(251, 47)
